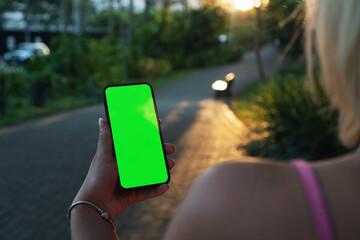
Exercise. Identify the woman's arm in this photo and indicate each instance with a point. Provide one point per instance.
(87, 224)
(101, 188)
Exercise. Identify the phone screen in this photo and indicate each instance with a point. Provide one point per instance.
(137, 140)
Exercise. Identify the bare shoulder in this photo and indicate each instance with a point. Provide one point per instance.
(244, 199)
(340, 180)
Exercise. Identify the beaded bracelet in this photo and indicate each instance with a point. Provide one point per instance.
(105, 215)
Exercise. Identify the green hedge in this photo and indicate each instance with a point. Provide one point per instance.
(12, 84)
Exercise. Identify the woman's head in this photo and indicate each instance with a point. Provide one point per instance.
(336, 24)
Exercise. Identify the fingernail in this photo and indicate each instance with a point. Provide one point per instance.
(101, 123)
(163, 187)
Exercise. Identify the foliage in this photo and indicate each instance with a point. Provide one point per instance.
(161, 41)
(19, 110)
(242, 29)
(283, 20)
(69, 59)
(40, 79)
(100, 21)
(11, 84)
(143, 67)
(151, 68)
(185, 42)
(291, 115)
(85, 66)
(106, 62)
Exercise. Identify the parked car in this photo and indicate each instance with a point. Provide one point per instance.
(25, 52)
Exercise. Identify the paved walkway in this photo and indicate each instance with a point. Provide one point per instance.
(43, 162)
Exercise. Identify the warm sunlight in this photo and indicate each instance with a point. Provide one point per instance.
(245, 5)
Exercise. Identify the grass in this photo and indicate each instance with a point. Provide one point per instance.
(244, 101)
(21, 111)
(18, 109)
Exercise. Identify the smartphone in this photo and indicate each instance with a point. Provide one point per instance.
(137, 141)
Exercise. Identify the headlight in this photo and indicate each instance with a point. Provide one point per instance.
(219, 85)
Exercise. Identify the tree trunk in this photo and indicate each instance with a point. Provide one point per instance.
(82, 16)
(148, 4)
(75, 16)
(123, 44)
(130, 23)
(111, 22)
(27, 31)
(257, 46)
(165, 11)
(79, 13)
(185, 4)
(63, 17)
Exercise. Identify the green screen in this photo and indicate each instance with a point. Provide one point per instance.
(137, 141)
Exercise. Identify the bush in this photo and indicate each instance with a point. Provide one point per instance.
(298, 123)
(105, 59)
(151, 68)
(85, 66)
(40, 79)
(70, 62)
(12, 83)
(40, 83)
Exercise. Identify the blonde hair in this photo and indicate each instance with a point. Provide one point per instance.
(336, 24)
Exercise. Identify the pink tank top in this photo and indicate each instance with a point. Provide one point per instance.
(316, 200)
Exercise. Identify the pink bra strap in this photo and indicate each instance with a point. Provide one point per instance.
(316, 199)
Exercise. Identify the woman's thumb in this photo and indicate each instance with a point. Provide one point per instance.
(105, 141)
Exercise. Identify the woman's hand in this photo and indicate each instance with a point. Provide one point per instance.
(101, 183)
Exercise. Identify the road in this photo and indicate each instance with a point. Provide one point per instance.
(44, 161)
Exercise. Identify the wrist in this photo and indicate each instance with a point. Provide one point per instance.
(82, 210)
(86, 208)
(86, 223)
(87, 197)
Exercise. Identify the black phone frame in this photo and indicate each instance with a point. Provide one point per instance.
(159, 128)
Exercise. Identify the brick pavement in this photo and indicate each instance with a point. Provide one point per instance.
(211, 139)
(44, 161)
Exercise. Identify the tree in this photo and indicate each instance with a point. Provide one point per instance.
(123, 43)
(207, 3)
(79, 11)
(149, 4)
(130, 23)
(185, 5)
(284, 21)
(111, 22)
(257, 45)
(65, 9)
(165, 12)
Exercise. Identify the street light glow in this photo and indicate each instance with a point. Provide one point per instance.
(257, 3)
